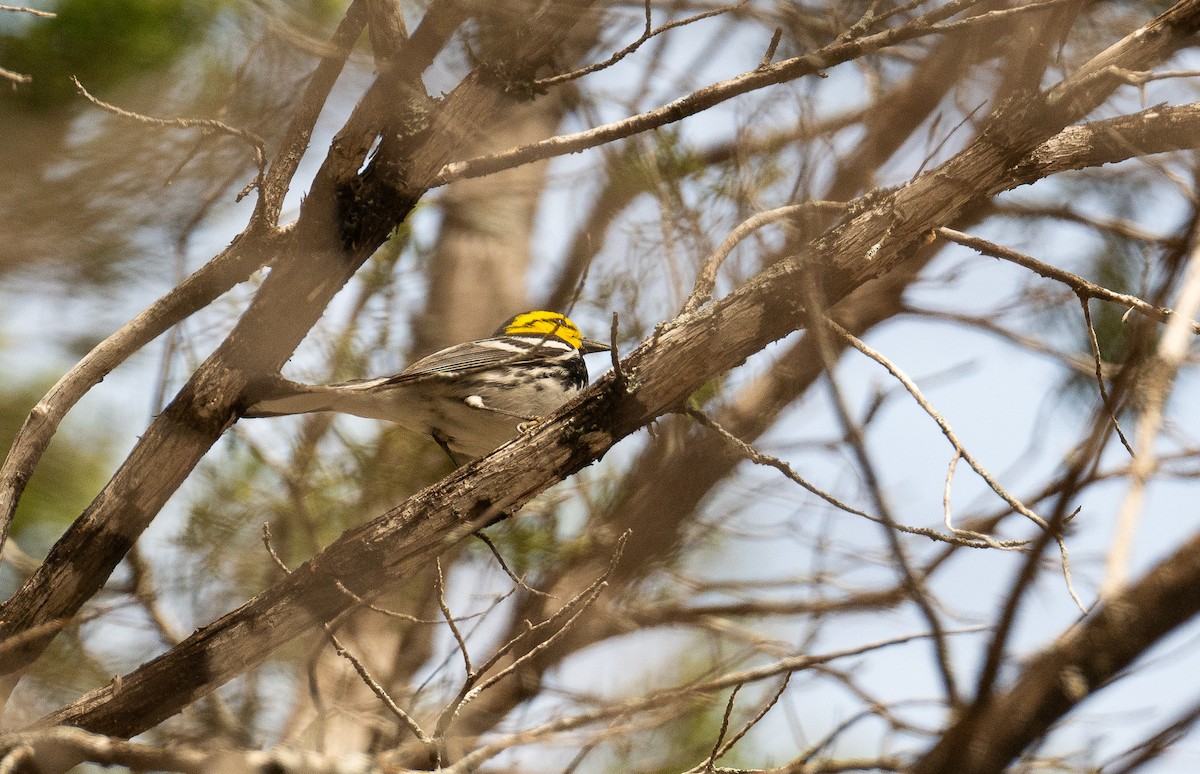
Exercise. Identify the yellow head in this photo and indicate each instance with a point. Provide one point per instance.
(549, 324)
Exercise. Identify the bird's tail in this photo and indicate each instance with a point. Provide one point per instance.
(277, 397)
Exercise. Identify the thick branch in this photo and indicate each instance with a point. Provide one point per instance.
(199, 290)
(667, 369)
(343, 220)
(1073, 668)
(1159, 129)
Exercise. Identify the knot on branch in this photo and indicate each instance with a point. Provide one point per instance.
(514, 77)
(372, 205)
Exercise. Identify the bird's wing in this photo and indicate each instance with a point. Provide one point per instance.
(466, 358)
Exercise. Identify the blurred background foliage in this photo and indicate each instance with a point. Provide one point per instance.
(108, 44)
(96, 212)
(92, 202)
(100, 214)
(75, 466)
(89, 195)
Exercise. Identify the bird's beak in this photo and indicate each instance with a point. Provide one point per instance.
(591, 345)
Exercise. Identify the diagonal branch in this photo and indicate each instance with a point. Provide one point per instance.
(812, 63)
(1067, 672)
(234, 265)
(1080, 285)
(681, 357)
(332, 239)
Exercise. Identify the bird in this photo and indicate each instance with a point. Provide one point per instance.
(470, 398)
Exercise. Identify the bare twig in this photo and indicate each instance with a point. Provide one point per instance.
(266, 539)
(15, 77)
(707, 279)
(1075, 282)
(1163, 367)
(1142, 77)
(9, 75)
(32, 11)
(820, 324)
(24, 751)
(520, 582)
(440, 590)
(668, 696)
(647, 34)
(760, 458)
(582, 601)
(1098, 361)
(1136, 757)
(615, 353)
(472, 685)
(705, 98)
(408, 720)
(16, 558)
(758, 716)
(986, 322)
(720, 749)
(205, 124)
(670, 614)
(405, 616)
(707, 765)
(769, 54)
(12, 645)
(941, 143)
(357, 665)
(946, 490)
(948, 519)
(143, 590)
(1123, 228)
(947, 431)
(998, 15)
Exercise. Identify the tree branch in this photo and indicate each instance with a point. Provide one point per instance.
(1064, 674)
(673, 364)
